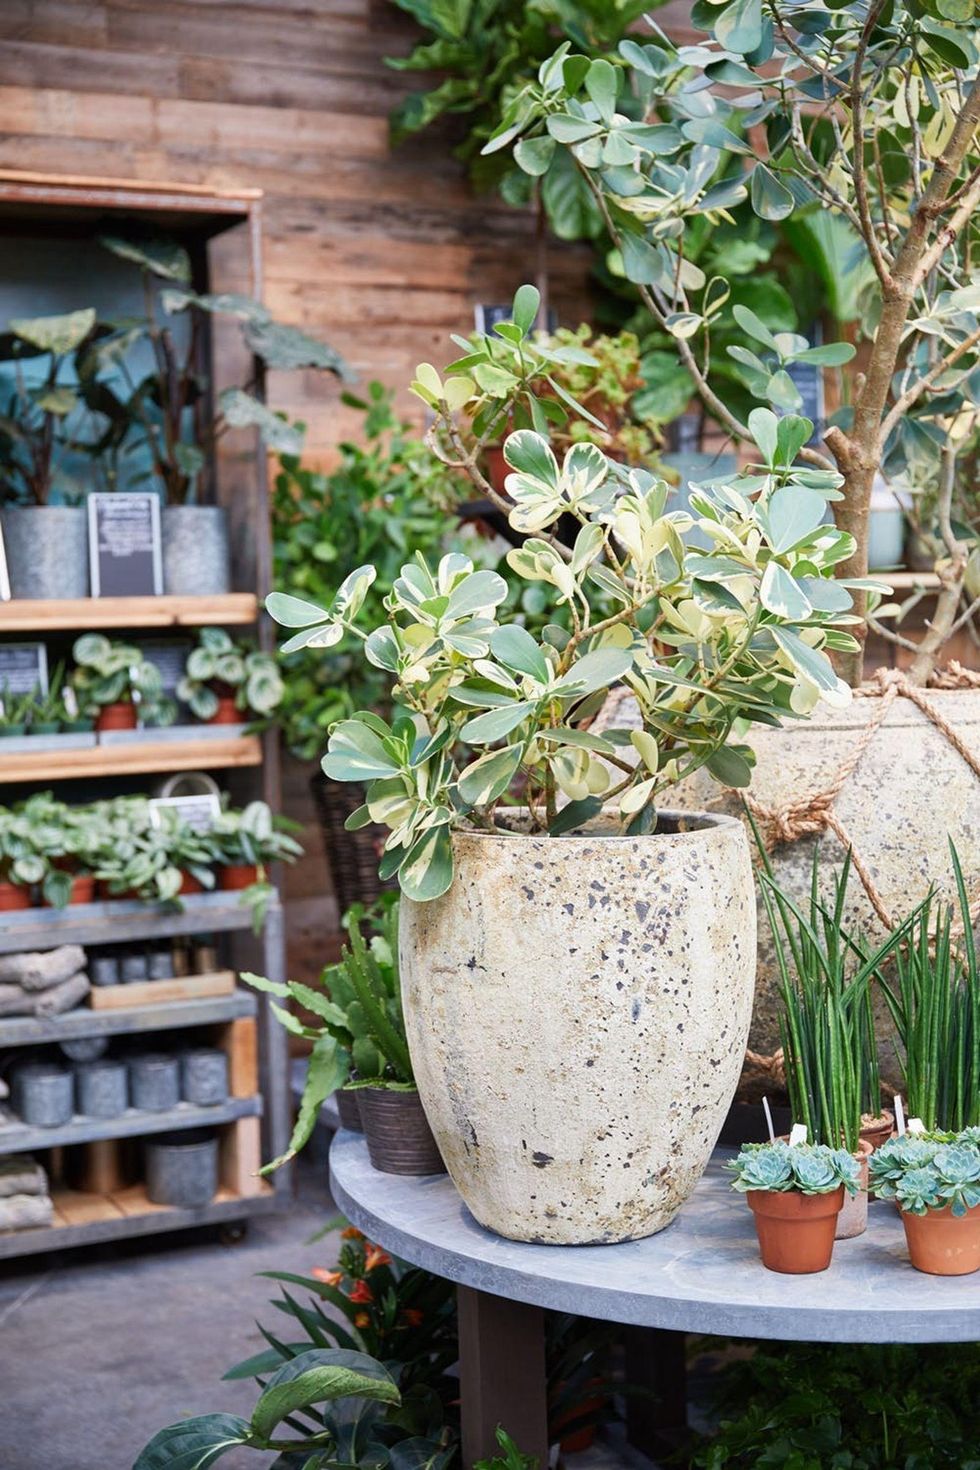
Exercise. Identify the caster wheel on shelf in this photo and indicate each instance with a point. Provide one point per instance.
(234, 1234)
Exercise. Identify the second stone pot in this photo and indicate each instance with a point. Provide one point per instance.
(576, 1011)
(196, 557)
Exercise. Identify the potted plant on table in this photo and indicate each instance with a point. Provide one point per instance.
(360, 1052)
(46, 542)
(829, 1046)
(225, 682)
(118, 686)
(795, 1192)
(934, 1178)
(607, 891)
(164, 407)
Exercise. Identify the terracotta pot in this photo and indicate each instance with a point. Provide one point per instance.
(397, 1131)
(941, 1244)
(853, 1217)
(529, 1057)
(583, 1438)
(14, 896)
(237, 876)
(189, 884)
(120, 716)
(880, 1129)
(795, 1231)
(104, 890)
(227, 712)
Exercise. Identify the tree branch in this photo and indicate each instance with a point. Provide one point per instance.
(857, 130)
(912, 395)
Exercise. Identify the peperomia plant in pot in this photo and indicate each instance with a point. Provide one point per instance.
(529, 917)
(225, 682)
(244, 844)
(934, 1178)
(115, 684)
(360, 1050)
(795, 1192)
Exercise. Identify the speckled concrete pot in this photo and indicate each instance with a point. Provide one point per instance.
(204, 1076)
(196, 556)
(154, 1083)
(576, 1011)
(103, 1088)
(47, 550)
(910, 789)
(45, 1095)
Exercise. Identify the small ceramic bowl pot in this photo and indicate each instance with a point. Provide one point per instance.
(182, 1168)
(103, 1088)
(204, 1076)
(45, 1095)
(154, 1083)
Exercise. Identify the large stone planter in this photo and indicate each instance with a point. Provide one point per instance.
(909, 792)
(196, 554)
(576, 1011)
(47, 550)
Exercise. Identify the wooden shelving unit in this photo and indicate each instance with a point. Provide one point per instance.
(86, 613)
(142, 757)
(253, 1123)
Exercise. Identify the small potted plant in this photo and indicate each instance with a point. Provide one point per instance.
(361, 1027)
(117, 685)
(153, 855)
(15, 713)
(795, 1192)
(827, 1023)
(244, 844)
(45, 530)
(934, 1178)
(21, 866)
(225, 682)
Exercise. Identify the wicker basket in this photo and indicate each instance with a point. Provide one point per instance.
(352, 857)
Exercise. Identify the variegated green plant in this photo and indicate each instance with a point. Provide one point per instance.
(710, 638)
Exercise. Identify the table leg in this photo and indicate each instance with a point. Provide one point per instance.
(502, 1375)
(656, 1419)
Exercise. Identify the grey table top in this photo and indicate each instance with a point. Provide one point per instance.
(701, 1274)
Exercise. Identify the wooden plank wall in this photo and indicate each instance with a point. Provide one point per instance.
(383, 253)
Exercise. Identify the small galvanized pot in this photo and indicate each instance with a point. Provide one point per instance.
(182, 1168)
(133, 968)
(196, 557)
(398, 1135)
(103, 969)
(204, 1076)
(103, 1088)
(45, 1095)
(159, 964)
(154, 1083)
(47, 550)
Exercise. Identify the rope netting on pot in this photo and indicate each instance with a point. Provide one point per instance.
(889, 778)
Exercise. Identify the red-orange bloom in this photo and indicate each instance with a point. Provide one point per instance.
(374, 1256)
(361, 1292)
(329, 1278)
(363, 1319)
(413, 1316)
(351, 1232)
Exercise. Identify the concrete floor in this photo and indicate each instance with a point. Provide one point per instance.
(101, 1348)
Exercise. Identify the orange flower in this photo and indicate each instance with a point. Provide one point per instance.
(362, 1319)
(375, 1256)
(351, 1232)
(329, 1278)
(413, 1316)
(361, 1292)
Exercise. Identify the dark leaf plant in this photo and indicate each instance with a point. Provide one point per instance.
(933, 996)
(325, 1409)
(709, 640)
(359, 1025)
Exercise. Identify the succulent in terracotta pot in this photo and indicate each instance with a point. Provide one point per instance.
(795, 1192)
(934, 1178)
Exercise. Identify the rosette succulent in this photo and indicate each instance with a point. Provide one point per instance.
(929, 1171)
(806, 1168)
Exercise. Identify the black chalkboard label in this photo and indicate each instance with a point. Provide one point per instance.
(23, 668)
(124, 544)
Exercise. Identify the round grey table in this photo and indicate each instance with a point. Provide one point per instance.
(702, 1274)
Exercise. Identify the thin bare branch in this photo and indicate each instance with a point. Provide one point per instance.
(911, 396)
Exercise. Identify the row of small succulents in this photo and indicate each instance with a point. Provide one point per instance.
(114, 686)
(796, 1192)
